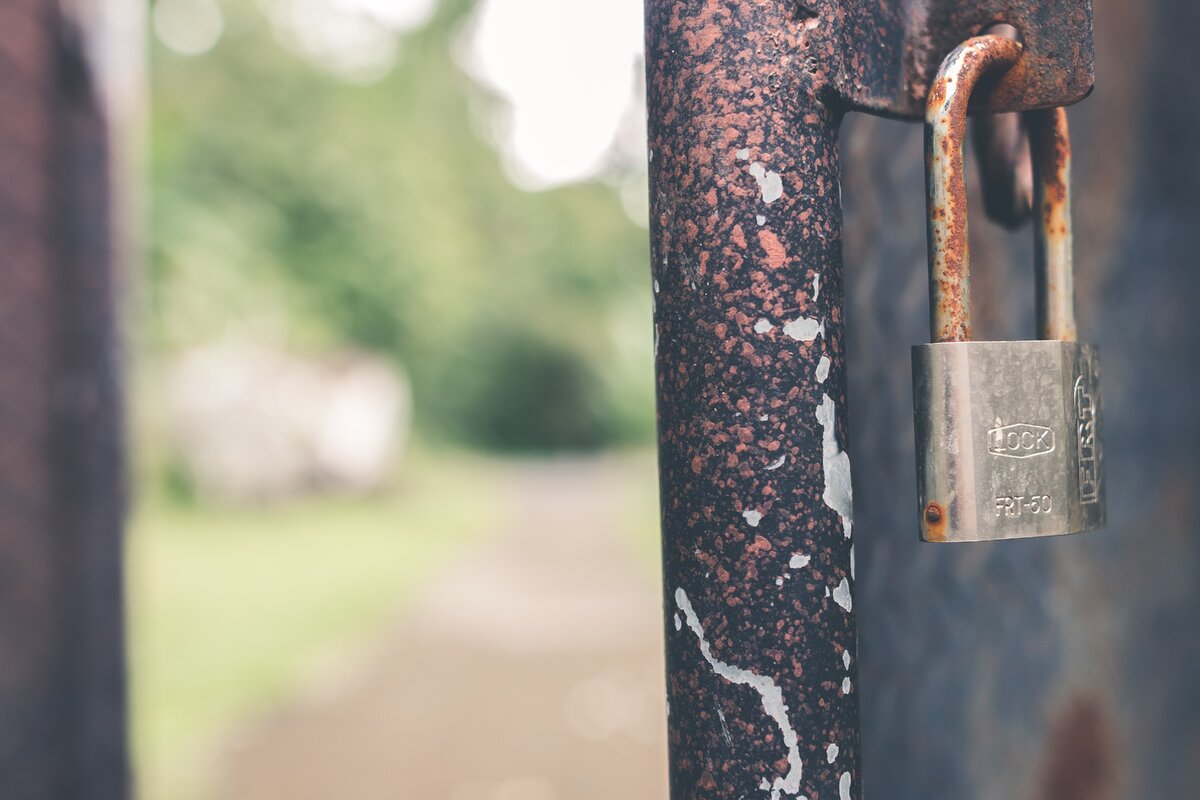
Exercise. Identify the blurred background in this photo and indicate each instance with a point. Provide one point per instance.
(391, 355)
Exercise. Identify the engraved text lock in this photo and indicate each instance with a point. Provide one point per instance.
(1007, 433)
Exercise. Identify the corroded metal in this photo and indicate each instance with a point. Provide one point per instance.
(1045, 669)
(1008, 438)
(945, 132)
(755, 481)
(744, 104)
(949, 254)
(890, 51)
(1053, 239)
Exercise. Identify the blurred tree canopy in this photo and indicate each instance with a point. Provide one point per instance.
(292, 206)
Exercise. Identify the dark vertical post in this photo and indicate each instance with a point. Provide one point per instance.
(756, 501)
(62, 683)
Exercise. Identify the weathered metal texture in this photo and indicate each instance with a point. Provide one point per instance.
(1054, 248)
(1056, 669)
(1009, 440)
(946, 197)
(946, 187)
(62, 687)
(757, 558)
(890, 51)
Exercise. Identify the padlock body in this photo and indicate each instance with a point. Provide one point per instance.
(1008, 440)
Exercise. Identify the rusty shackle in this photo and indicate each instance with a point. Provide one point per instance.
(946, 196)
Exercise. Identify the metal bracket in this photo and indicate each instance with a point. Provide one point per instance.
(891, 50)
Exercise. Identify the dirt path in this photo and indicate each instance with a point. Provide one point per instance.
(532, 670)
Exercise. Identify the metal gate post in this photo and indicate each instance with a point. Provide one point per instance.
(755, 482)
(62, 689)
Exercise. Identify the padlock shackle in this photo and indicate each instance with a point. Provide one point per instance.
(946, 196)
(1054, 272)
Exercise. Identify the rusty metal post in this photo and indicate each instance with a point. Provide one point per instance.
(755, 482)
(62, 680)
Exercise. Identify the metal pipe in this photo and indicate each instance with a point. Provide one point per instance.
(758, 562)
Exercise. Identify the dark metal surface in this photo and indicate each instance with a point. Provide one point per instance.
(62, 691)
(890, 50)
(762, 677)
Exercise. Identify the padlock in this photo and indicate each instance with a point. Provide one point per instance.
(1008, 434)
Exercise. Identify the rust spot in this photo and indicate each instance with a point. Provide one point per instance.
(935, 522)
(1080, 760)
(776, 255)
(760, 546)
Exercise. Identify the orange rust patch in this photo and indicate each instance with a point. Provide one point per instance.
(934, 522)
(776, 255)
(702, 39)
(760, 546)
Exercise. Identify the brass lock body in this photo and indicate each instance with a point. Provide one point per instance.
(1008, 434)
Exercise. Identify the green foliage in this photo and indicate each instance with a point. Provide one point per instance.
(290, 205)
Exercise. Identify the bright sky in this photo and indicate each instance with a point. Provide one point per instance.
(565, 69)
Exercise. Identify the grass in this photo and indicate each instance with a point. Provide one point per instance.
(233, 611)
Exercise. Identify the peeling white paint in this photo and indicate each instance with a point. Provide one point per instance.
(763, 326)
(752, 517)
(772, 700)
(831, 753)
(769, 183)
(827, 591)
(743, 154)
(777, 463)
(678, 623)
(763, 417)
(852, 562)
(804, 329)
(724, 728)
(816, 286)
(799, 560)
(760, 219)
(842, 596)
(846, 658)
(846, 686)
(838, 494)
(656, 286)
(844, 787)
(779, 581)
(823, 369)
